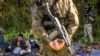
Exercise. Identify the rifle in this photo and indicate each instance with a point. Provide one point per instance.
(60, 28)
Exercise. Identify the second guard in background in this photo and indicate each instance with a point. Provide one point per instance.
(89, 18)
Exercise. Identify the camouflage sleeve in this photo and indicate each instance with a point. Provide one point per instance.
(73, 19)
(37, 27)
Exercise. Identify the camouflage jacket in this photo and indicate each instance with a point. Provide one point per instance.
(65, 10)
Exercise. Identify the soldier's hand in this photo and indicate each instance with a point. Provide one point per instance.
(57, 44)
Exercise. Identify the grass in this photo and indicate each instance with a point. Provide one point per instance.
(13, 34)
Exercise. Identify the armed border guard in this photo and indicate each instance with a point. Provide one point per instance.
(89, 18)
(67, 14)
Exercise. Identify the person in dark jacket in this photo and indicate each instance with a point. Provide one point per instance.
(4, 46)
(3, 43)
(35, 48)
(18, 44)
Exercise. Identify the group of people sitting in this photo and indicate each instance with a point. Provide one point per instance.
(89, 49)
(20, 47)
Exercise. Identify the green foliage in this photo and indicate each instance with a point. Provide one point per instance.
(13, 34)
(16, 15)
(10, 36)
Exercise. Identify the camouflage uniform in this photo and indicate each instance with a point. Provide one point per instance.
(89, 18)
(67, 13)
